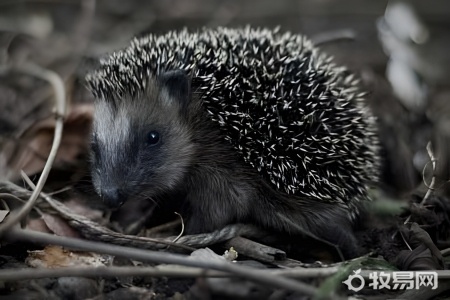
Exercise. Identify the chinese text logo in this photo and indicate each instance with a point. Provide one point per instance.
(401, 280)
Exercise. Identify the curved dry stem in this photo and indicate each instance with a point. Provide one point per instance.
(433, 179)
(60, 109)
(182, 228)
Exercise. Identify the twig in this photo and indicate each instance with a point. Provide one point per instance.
(445, 252)
(171, 271)
(255, 250)
(62, 190)
(160, 271)
(15, 234)
(306, 273)
(15, 198)
(60, 109)
(11, 197)
(92, 272)
(182, 228)
(433, 179)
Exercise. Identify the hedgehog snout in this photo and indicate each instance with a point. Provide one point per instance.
(113, 197)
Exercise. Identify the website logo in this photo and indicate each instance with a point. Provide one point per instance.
(401, 280)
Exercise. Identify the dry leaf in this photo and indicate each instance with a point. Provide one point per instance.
(3, 214)
(56, 256)
(38, 225)
(59, 226)
(30, 152)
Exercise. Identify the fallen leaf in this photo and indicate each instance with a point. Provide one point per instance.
(56, 256)
(3, 214)
(31, 150)
(38, 225)
(59, 226)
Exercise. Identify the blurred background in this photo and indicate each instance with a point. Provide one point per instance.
(398, 49)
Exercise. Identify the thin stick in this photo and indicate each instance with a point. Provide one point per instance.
(255, 250)
(445, 252)
(160, 271)
(182, 228)
(170, 271)
(92, 272)
(433, 180)
(60, 107)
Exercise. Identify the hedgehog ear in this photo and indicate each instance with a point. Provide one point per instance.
(178, 85)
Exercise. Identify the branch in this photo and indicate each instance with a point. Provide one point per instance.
(160, 271)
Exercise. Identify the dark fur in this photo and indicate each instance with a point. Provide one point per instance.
(194, 160)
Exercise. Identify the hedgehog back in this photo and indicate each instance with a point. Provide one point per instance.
(293, 115)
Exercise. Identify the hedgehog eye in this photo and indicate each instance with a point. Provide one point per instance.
(153, 137)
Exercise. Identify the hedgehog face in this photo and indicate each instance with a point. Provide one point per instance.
(141, 147)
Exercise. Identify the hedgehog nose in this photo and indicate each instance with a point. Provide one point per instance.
(113, 197)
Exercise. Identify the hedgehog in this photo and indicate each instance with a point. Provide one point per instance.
(245, 125)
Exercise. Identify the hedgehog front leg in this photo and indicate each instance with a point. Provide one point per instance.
(216, 200)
